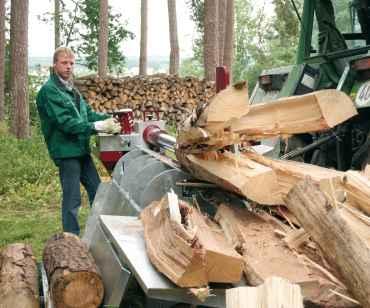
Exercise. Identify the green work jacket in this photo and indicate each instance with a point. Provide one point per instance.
(66, 120)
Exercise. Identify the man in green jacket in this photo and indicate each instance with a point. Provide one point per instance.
(67, 122)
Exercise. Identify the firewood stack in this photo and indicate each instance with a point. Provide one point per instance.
(173, 97)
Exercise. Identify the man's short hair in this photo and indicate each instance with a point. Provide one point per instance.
(62, 50)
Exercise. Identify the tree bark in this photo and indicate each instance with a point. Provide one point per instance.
(174, 43)
(56, 23)
(210, 39)
(222, 7)
(103, 39)
(19, 68)
(342, 246)
(18, 277)
(229, 37)
(2, 60)
(143, 38)
(72, 273)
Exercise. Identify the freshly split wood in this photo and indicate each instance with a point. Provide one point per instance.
(265, 255)
(316, 111)
(72, 273)
(342, 245)
(191, 253)
(229, 111)
(274, 293)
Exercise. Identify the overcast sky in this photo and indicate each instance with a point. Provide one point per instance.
(41, 35)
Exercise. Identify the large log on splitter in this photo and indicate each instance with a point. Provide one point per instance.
(18, 277)
(72, 273)
(316, 111)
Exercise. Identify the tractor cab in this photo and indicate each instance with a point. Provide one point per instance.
(333, 53)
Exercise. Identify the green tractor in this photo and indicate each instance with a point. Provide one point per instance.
(333, 53)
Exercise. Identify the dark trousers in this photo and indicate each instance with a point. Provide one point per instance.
(72, 171)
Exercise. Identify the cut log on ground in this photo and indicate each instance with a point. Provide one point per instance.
(72, 273)
(274, 293)
(342, 246)
(265, 255)
(238, 174)
(191, 253)
(311, 112)
(18, 277)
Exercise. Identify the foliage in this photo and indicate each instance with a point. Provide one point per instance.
(80, 30)
(30, 194)
(262, 40)
(191, 67)
(197, 16)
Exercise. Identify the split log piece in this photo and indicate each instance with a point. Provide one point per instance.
(274, 293)
(342, 246)
(191, 253)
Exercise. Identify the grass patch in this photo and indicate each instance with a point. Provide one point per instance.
(30, 192)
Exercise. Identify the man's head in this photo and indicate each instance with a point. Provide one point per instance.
(63, 62)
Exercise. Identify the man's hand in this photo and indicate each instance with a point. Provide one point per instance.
(109, 126)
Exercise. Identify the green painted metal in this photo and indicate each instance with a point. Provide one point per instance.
(304, 46)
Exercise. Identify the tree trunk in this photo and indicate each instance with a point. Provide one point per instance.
(210, 39)
(174, 43)
(19, 68)
(72, 273)
(103, 38)
(18, 277)
(229, 37)
(222, 7)
(56, 23)
(2, 60)
(341, 245)
(143, 38)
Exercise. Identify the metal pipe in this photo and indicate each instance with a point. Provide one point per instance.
(154, 136)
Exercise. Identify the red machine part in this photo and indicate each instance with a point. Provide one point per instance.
(150, 134)
(110, 158)
(222, 78)
(126, 119)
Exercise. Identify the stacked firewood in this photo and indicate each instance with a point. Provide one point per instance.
(172, 97)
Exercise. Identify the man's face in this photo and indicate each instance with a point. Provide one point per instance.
(64, 66)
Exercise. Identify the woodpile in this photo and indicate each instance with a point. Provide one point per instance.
(18, 277)
(174, 98)
(73, 277)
